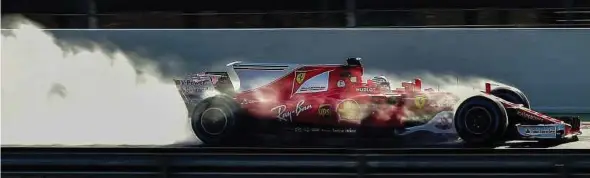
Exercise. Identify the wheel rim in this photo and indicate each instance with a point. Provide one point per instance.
(213, 121)
(478, 121)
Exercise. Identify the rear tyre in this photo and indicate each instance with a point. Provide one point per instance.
(511, 95)
(481, 121)
(216, 120)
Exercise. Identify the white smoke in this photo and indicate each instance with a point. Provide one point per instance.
(462, 87)
(87, 97)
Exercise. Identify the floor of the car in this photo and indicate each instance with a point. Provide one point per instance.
(413, 123)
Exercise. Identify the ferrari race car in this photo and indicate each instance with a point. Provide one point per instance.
(335, 99)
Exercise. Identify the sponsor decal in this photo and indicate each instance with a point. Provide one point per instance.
(325, 110)
(534, 115)
(365, 89)
(318, 83)
(323, 130)
(194, 89)
(528, 116)
(445, 122)
(191, 86)
(420, 101)
(196, 77)
(300, 77)
(287, 116)
(247, 101)
(307, 89)
(349, 110)
(536, 131)
(340, 84)
(193, 82)
(540, 130)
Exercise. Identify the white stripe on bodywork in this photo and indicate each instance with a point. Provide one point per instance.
(444, 118)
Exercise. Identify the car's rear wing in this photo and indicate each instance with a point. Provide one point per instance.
(194, 87)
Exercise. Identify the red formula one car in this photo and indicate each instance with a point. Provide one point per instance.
(335, 99)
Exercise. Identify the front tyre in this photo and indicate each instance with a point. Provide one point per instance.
(511, 95)
(481, 121)
(215, 120)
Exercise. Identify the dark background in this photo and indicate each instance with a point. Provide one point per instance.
(301, 13)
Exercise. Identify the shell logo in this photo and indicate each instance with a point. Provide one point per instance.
(349, 110)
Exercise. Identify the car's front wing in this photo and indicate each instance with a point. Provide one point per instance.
(546, 131)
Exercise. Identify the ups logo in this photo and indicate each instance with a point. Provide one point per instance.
(324, 110)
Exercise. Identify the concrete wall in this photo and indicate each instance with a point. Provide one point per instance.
(550, 66)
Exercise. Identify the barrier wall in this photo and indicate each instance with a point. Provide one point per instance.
(19, 162)
(549, 65)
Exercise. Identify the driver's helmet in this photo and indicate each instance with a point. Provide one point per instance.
(382, 82)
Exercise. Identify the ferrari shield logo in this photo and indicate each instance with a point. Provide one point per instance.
(420, 101)
(300, 77)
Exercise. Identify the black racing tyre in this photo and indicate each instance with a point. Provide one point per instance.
(480, 120)
(216, 120)
(511, 95)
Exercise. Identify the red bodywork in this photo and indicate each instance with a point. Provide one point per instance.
(340, 105)
(529, 116)
(340, 96)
